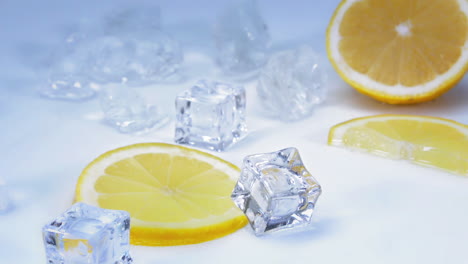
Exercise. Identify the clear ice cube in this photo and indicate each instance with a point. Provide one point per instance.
(137, 60)
(292, 84)
(67, 77)
(241, 38)
(128, 112)
(88, 234)
(276, 192)
(210, 115)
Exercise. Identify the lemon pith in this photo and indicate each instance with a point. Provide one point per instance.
(428, 141)
(400, 52)
(175, 195)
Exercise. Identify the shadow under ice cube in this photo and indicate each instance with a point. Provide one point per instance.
(210, 115)
(276, 192)
(88, 234)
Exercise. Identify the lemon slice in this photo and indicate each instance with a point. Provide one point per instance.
(400, 51)
(175, 195)
(428, 141)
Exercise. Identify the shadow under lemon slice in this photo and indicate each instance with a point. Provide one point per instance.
(175, 195)
(428, 141)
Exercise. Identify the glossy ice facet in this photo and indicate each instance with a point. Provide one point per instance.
(210, 115)
(241, 38)
(292, 84)
(128, 112)
(88, 234)
(276, 192)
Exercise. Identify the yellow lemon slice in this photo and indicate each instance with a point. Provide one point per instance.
(175, 195)
(428, 141)
(400, 51)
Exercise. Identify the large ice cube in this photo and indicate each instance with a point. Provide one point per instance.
(241, 38)
(88, 234)
(210, 115)
(292, 84)
(276, 192)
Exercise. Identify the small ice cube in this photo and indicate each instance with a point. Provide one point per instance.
(276, 192)
(292, 84)
(128, 112)
(88, 234)
(210, 115)
(241, 39)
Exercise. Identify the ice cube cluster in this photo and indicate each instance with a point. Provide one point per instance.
(128, 46)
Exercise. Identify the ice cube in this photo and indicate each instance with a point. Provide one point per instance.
(139, 61)
(67, 77)
(292, 84)
(210, 115)
(128, 112)
(276, 192)
(88, 234)
(241, 39)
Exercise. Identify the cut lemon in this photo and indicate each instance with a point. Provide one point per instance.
(429, 141)
(400, 51)
(175, 195)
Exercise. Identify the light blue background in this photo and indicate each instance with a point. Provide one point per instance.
(372, 210)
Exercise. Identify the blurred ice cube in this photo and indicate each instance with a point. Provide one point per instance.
(128, 112)
(241, 38)
(67, 76)
(139, 61)
(129, 46)
(292, 84)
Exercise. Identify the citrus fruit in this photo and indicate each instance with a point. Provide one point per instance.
(400, 51)
(175, 195)
(429, 141)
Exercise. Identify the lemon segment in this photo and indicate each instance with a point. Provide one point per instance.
(428, 141)
(175, 195)
(400, 51)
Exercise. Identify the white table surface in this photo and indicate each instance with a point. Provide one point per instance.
(372, 210)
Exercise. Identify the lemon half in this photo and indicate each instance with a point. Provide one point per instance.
(400, 51)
